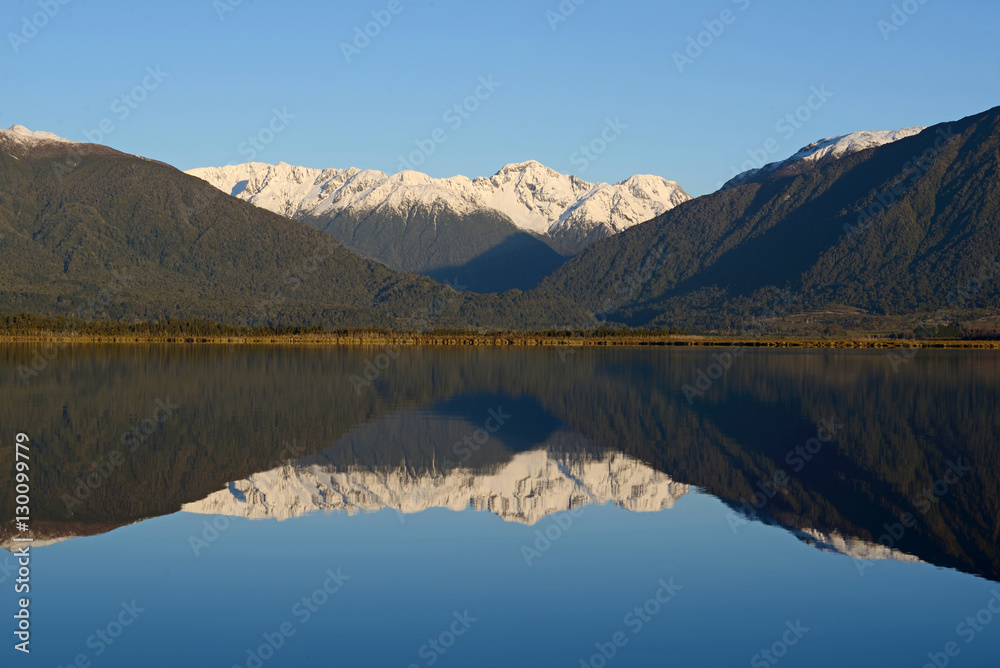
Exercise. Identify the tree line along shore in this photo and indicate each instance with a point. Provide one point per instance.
(495, 340)
(46, 330)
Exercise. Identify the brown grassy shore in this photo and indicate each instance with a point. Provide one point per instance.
(379, 339)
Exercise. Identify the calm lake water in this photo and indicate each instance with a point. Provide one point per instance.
(476, 507)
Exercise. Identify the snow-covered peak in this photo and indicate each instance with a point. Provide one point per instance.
(23, 134)
(534, 197)
(855, 548)
(42, 541)
(517, 171)
(519, 167)
(830, 148)
(527, 489)
(836, 147)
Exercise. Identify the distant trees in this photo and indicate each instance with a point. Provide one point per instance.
(27, 323)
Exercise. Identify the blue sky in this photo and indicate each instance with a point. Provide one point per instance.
(229, 70)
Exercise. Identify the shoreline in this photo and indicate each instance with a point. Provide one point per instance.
(503, 341)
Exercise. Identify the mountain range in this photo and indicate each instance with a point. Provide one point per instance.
(529, 488)
(87, 229)
(489, 234)
(827, 150)
(854, 231)
(908, 229)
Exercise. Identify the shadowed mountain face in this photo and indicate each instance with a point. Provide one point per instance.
(908, 227)
(481, 252)
(518, 262)
(87, 229)
(835, 446)
(494, 233)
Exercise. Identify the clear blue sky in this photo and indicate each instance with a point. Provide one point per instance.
(557, 86)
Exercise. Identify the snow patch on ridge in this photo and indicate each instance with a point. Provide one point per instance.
(24, 135)
(853, 547)
(830, 148)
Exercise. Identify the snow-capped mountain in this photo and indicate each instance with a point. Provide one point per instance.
(528, 488)
(830, 148)
(36, 540)
(542, 200)
(855, 548)
(535, 198)
(23, 135)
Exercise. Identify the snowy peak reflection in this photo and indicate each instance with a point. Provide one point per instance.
(501, 454)
(531, 486)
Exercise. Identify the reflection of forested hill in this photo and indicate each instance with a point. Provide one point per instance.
(242, 412)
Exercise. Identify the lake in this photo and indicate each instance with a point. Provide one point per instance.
(218, 506)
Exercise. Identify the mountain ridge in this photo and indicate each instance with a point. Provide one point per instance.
(318, 191)
(829, 148)
(77, 218)
(535, 198)
(530, 487)
(897, 230)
